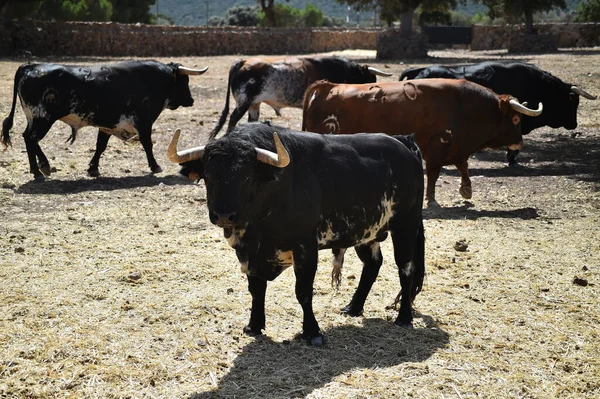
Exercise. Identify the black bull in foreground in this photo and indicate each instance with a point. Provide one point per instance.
(281, 196)
(122, 99)
(524, 81)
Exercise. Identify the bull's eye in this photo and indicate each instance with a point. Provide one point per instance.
(516, 119)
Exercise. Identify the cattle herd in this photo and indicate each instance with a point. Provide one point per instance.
(351, 176)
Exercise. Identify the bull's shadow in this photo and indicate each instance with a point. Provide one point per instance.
(567, 154)
(465, 212)
(271, 369)
(52, 186)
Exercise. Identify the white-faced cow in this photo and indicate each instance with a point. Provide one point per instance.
(281, 196)
(280, 82)
(122, 99)
(524, 81)
(451, 119)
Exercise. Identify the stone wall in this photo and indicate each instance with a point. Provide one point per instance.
(565, 35)
(113, 39)
(392, 45)
(42, 38)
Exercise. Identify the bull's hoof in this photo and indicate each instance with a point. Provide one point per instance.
(93, 172)
(39, 177)
(433, 204)
(251, 332)
(466, 192)
(317, 340)
(350, 310)
(403, 324)
(156, 169)
(46, 170)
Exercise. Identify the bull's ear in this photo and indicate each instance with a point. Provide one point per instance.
(174, 66)
(504, 104)
(193, 170)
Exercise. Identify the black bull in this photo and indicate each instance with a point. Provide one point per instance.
(524, 81)
(122, 99)
(280, 196)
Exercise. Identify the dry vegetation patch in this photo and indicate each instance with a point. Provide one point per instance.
(120, 286)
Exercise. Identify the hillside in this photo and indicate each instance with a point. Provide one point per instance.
(197, 12)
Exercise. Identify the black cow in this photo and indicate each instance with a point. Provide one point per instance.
(281, 82)
(524, 81)
(122, 99)
(280, 196)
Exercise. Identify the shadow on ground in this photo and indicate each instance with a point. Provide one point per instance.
(269, 369)
(565, 153)
(52, 186)
(463, 212)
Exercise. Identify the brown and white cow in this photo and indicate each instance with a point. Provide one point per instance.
(281, 81)
(451, 119)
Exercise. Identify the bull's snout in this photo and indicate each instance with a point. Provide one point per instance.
(223, 219)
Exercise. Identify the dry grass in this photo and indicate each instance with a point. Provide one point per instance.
(119, 286)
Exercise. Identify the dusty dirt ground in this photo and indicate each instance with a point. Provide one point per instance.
(119, 287)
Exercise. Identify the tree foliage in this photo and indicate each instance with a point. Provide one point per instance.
(312, 16)
(132, 11)
(19, 8)
(76, 10)
(279, 16)
(286, 15)
(241, 16)
(588, 11)
(126, 11)
(391, 10)
(518, 9)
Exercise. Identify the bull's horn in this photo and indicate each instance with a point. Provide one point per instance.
(191, 154)
(377, 72)
(524, 110)
(583, 93)
(190, 71)
(279, 160)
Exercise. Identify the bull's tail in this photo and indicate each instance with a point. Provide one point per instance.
(7, 124)
(419, 268)
(233, 70)
(410, 73)
(419, 263)
(308, 96)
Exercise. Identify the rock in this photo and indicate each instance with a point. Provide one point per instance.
(461, 245)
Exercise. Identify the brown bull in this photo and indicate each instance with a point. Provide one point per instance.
(451, 119)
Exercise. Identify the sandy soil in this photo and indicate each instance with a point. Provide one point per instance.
(119, 287)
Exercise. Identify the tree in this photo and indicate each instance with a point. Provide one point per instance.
(588, 11)
(132, 11)
(333, 21)
(283, 15)
(215, 20)
(312, 16)
(76, 10)
(390, 10)
(520, 8)
(19, 8)
(268, 10)
(241, 16)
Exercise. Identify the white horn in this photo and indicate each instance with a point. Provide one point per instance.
(377, 72)
(583, 93)
(524, 110)
(281, 159)
(189, 71)
(191, 154)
